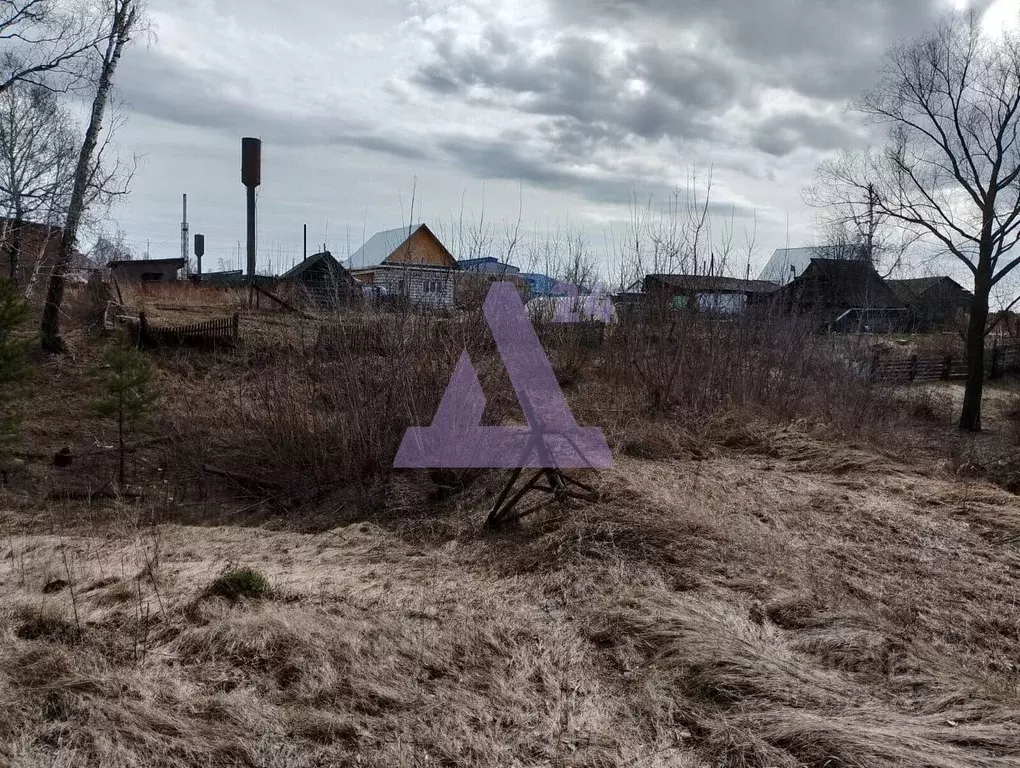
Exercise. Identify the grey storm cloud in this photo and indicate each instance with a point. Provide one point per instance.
(780, 135)
(156, 85)
(508, 158)
(821, 47)
(589, 106)
(685, 90)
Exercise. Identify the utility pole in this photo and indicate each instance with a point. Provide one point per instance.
(305, 252)
(872, 199)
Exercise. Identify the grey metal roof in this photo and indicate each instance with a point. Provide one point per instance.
(379, 247)
(713, 283)
(789, 263)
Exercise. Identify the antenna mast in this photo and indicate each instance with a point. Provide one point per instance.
(184, 237)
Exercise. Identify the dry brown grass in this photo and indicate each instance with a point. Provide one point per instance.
(739, 610)
(843, 693)
(765, 581)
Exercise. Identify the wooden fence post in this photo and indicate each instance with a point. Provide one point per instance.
(913, 367)
(994, 373)
(947, 366)
(143, 330)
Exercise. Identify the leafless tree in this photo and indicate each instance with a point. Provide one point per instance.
(111, 247)
(852, 225)
(121, 21)
(950, 168)
(579, 265)
(46, 42)
(37, 147)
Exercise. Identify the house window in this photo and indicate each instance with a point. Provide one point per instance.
(433, 286)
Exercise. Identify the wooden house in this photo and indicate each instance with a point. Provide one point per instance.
(933, 303)
(846, 295)
(407, 262)
(323, 281)
(787, 264)
(707, 293)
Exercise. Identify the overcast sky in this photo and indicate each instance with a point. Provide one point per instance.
(573, 106)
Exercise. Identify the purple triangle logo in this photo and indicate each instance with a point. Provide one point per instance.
(552, 438)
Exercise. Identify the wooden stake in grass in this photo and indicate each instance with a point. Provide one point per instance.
(126, 380)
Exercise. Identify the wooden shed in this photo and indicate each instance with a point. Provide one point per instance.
(323, 280)
(146, 270)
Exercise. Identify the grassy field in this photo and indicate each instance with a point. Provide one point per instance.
(754, 587)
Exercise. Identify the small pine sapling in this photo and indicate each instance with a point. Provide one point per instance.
(126, 394)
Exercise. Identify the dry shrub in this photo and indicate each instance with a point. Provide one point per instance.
(927, 404)
(757, 698)
(184, 295)
(315, 419)
(762, 363)
(1013, 417)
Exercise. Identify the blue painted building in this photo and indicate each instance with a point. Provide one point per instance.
(543, 285)
(488, 265)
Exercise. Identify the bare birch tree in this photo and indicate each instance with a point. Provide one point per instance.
(37, 148)
(45, 41)
(120, 22)
(950, 168)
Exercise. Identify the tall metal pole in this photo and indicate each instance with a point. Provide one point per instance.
(305, 256)
(251, 243)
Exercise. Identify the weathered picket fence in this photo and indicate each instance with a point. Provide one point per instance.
(218, 332)
(999, 359)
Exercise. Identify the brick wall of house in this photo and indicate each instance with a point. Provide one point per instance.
(39, 248)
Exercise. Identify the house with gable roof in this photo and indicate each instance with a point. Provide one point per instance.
(933, 303)
(410, 262)
(787, 264)
(845, 295)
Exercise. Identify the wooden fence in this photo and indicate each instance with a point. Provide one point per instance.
(220, 332)
(999, 359)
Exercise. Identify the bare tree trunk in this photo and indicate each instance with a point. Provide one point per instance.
(15, 255)
(124, 15)
(970, 417)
